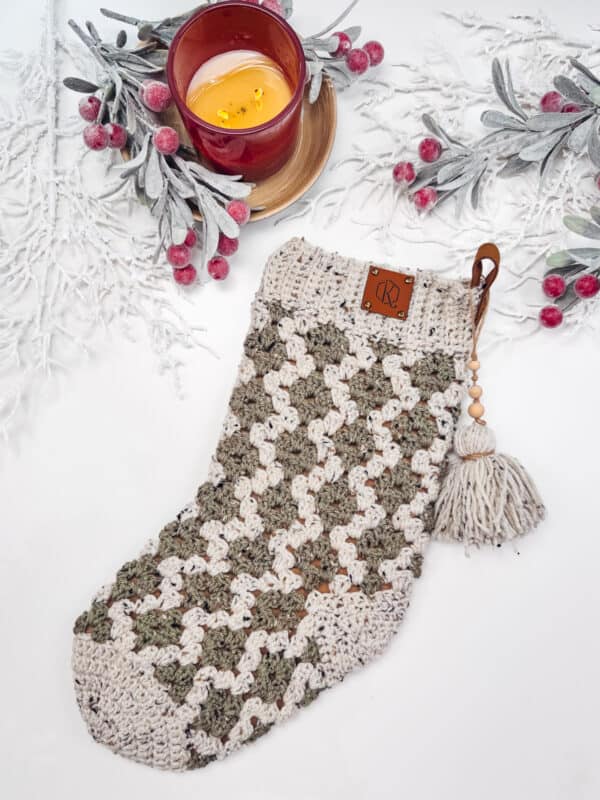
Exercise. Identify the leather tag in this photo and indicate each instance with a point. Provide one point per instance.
(387, 293)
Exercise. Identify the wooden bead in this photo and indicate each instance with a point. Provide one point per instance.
(475, 392)
(476, 410)
(473, 365)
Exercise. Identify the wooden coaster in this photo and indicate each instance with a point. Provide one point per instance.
(308, 160)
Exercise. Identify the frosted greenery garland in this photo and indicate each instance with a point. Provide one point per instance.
(527, 221)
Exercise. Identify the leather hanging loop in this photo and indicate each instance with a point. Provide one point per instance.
(486, 251)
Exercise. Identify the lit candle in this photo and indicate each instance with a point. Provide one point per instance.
(238, 89)
(208, 74)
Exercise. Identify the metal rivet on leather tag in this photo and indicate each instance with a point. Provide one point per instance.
(409, 280)
(401, 314)
(367, 305)
(374, 271)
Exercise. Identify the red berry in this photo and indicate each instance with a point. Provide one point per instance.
(375, 52)
(430, 149)
(156, 95)
(117, 135)
(178, 255)
(274, 6)
(95, 136)
(571, 108)
(344, 44)
(218, 268)
(425, 198)
(166, 140)
(191, 238)
(357, 61)
(404, 172)
(551, 101)
(551, 316)
(89, 108)
(239, 211)
(554, 286)
(227, 246)
(186, 275)
(586, 286)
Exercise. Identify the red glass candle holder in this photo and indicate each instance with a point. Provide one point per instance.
(252, 152)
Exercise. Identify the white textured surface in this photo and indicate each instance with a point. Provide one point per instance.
(489, 691)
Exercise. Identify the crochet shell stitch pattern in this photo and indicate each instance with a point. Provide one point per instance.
(294, 565)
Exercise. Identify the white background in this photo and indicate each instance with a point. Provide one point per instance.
(489, 692)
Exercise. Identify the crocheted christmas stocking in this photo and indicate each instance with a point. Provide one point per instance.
(295, 563)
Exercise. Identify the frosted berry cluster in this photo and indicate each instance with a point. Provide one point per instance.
(555, 286)
(358, 59)
(553, 102)
(404, 173)
(179, 256)
(156, 96)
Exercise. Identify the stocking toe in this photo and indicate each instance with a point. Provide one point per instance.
(126, 708)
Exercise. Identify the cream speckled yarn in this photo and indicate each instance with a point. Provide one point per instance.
(296, 561)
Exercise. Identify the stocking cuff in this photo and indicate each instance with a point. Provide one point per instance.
(330, 287)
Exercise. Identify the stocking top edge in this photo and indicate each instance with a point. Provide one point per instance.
(305, 278)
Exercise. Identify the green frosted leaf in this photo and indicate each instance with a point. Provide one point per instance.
(584, 71)
(565, 272)
(571, 91)
(578, 138)
(594, 146)
(514, 166)
(497, 119)
(561, 259)
(582, 226)
(540, 148)
(595, 214)
(80, 85)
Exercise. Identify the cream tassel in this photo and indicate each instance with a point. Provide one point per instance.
(486, 497)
